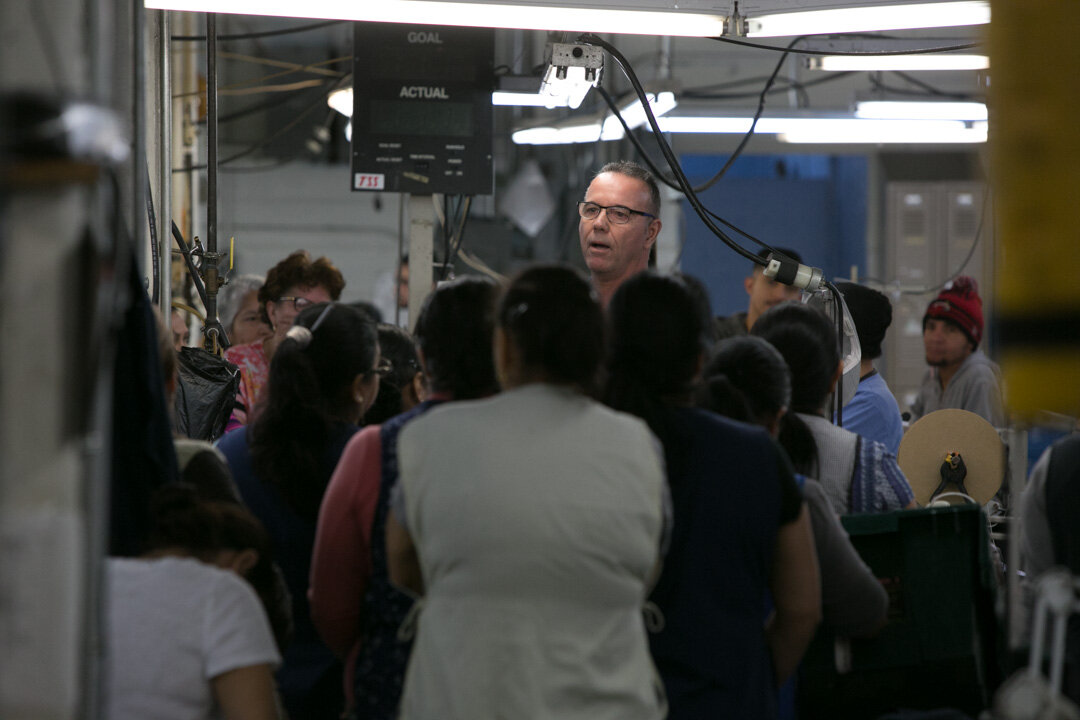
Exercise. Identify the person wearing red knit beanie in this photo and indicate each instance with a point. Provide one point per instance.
(960, 375)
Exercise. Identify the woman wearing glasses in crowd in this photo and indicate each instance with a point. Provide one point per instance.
(323, 378)
(292, 285)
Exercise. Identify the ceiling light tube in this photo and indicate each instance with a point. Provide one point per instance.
(563, 135)
(551, 16)
(873, 18)
(522, 99)
(833, 130)
(887, 132)
(342, 100)
(898, 110)
(634, 114)
(888, 63)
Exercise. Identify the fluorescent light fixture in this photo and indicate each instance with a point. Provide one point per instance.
(551, 16)
(558, 135)
(591, 130)
(839, 130)
(503, 97)
(896, 110)
(341, 100)
(881, 132)
(634, 114)
(870, 19)
(886, 63)
(567, 88)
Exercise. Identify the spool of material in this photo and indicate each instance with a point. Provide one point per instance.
(931, 438)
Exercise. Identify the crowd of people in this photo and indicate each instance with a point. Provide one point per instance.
(565, 497)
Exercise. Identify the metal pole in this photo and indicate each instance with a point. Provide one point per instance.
(210, 260)
(159, 147)
(421, 253)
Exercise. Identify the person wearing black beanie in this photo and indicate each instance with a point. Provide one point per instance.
(872, 412)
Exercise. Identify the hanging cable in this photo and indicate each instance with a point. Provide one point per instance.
(672, 161)
(152, 219)
(777, 265)
(658, 174)
(703, 93)
(460, 233)
(753, 125)
(193, 272)
(869, 53)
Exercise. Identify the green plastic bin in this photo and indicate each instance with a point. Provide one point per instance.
(940, 646)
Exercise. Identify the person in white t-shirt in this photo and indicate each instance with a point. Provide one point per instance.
(186, 635)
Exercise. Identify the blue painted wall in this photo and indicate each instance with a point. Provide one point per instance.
(815, 204)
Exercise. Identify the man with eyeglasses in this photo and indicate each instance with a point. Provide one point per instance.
(620, 219)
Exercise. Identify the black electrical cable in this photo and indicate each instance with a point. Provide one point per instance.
(928, 87)
(753, 125)
(838, 394)
(660, 175)
(446, 236)
(461, 230)
(672, 161)
(869, 53)
(185, 250)
(637, 144)
(152, 218)
(254, 35)
(879, 85)
(704, 94)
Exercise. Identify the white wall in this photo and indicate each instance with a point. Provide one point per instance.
(273, 213)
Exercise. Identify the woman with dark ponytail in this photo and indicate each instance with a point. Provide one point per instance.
(323, 377)
(747, 379)
(740, 527)
(859, 476)
(531, 523)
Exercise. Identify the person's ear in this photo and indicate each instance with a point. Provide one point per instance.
(244, 561)
(654, 231)
(269, 307)
(358, 389)
(748, 283)
(836, 376)
(505, 357)
(423, 361)
(416, 389)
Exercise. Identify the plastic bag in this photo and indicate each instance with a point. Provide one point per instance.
(205, 394)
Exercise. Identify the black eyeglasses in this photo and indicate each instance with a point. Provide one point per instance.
(617, 214)
(298, 303)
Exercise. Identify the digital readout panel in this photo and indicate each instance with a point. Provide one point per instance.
(422, 115)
